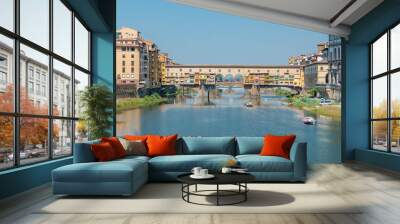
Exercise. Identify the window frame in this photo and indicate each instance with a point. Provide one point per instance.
(16, 113)
(388, 74)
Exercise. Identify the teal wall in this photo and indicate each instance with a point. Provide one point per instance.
(24, 178)
(356, 97)
(103, 63)
(99, 15)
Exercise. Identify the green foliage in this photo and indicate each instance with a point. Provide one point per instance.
(313, 105)
(134, 103)
(283, 92)
(333, 111)
(313, 92)
(303, 101)
(97, 104)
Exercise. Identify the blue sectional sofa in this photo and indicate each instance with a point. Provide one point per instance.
(125, 176)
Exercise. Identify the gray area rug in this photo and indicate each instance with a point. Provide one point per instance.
(166, 198)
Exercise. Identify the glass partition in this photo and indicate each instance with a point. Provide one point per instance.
(37, 92)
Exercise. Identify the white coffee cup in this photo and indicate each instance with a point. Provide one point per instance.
(196, 171)
(203, 172)
(226, 170)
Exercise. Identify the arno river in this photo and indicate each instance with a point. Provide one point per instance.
(229, 117)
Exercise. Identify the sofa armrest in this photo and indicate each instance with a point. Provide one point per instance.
(299, 157)
(83, 152)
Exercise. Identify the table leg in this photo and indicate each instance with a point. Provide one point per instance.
(188, 190)
(182, 190)
(217, 194)
(245, 193)
(195, 188)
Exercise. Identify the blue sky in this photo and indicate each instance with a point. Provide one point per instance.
(197, 36)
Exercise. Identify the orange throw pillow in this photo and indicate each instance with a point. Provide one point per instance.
(116, 145)
(277, 145)
(161, 145)
(142, 138)
(103, 152)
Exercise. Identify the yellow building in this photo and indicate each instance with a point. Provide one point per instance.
(153, 63)
(162, 62)
(316, 74)
(128, 46)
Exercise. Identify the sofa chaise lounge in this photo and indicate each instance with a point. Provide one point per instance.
(125, 176)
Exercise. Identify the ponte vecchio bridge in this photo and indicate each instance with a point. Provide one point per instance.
(248, 76)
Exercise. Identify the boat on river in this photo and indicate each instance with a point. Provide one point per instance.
(309, 120)
(249, 104)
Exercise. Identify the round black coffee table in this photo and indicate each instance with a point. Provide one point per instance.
(238, 179)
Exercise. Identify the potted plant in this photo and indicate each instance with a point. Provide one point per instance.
(97, 103)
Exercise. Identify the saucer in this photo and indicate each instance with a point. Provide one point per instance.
(208, 176)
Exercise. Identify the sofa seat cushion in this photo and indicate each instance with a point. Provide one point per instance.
(257, 163)
(112, 171)
(185, 163)
(133, 157)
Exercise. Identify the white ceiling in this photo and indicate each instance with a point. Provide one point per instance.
(326, 16)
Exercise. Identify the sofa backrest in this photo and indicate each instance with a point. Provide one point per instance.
(249, 145)
(83, 152)
(191, 146)
(206, 145)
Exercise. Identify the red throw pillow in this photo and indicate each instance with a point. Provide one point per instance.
(116, 145)
(161, 145)
(277, 145)
(103, 152)
(142, 138)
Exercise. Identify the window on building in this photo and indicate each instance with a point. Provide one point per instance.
(30, 87)
(30, 73)
(335, 54)
(385, 97)
(46, 112)
(3, 61)
(3, 78)
(44, 91)
(37, 89)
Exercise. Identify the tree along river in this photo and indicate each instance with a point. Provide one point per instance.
(228, 116)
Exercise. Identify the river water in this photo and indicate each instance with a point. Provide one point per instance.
(229, 117)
